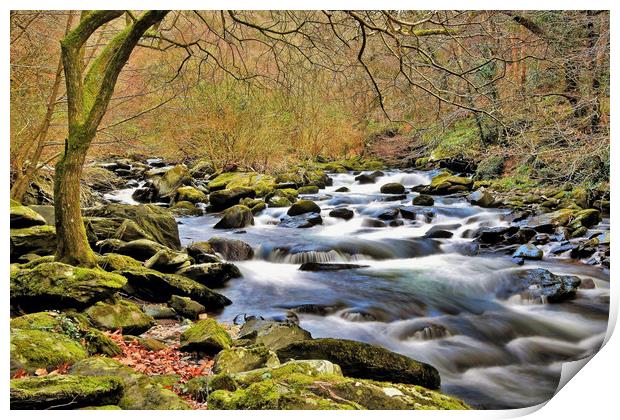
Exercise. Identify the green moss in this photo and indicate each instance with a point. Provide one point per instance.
(122, 314)
(33, 349)
(241, 359)
(262, 184)
(460, 139)
(308, 189)
(302, 207)
(67, 391)
(185, 208)
(191, 194)
(24, 217)
(102, 407)
(206, 335)
(113, 262)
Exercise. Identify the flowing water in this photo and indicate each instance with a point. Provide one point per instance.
(435, 300)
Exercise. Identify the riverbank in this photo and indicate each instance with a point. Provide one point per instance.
(412, 242)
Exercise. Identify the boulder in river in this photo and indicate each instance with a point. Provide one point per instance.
(370, 178)
(423, 200)
(441, 231)
(202, 252)
(237, 216)
(224, 199)
(54, 285)
(342, 189)
(554, 288)
(174, 178)
(392, 188)
(342, 213)
(306, 220)
(168, 261)
(231, 249)
(191, 194)
(481, 198)
(529, 252)
(141, 249)
(206, 336)
(302, 207)
(186, 307)
(272, 334)
(211, 275)
(362, 360)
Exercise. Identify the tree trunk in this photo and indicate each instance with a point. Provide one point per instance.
(72, 242)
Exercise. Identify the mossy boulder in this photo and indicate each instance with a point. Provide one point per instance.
(235, 217)
(202, 252)
(40, 240)
(302, 207)
(206, 336)
(257, 208)
(100, 228)
(168, 261)
(186, 307)
(185, 208)
(120, 315)
(261, 184)
(242, 359)
(72, 325)
(64, 391)
(174, 178)
(33, 349)
(308, 189)
(211, 274)
(202, 168)
(157, 222)
(154, 286)
(392, 188)
(278, 201)
(273, 335)
(141, 249)
(223, 199)
(423, 200)
(191, 194)
(140, 392)
(24, 217)
(362, 360)
(56, 285)
(231, 249)
(445, 183)
(481, 198)
(113, 262)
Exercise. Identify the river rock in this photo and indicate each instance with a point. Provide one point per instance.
(40, 240)
(392, 188)
(231, 249)
(493, 235)
(202, 252)
(237, 216)
(202, 168)
(66, 391)
(373, 223)
(154, 286)
(481, 198)
(273, 335)
(306, 220)
(243, 359)
(158, 222)
(446, 183)
(441, 231)
(224, 199)
(362, 360)
(141, 249)
(24, 217)
(54, 285)
(342, 189)
(369, 178)
(167, 261)
(529, 252)
(122, 314)
(186, 307)
(388, 214)
(342, 213)
(206, 336)
(423, 200)
(554, 288)
(302, 207)
(191, 194)
(172, 179)
(211, 275)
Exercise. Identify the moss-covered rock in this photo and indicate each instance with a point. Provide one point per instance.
(186, 307)
(174, 178)
(40, 240)
(202, 252)
(33, 349)
(64, 392)
(24, 217)
(71, 324)
(278, 201)
(120, 315)
(261, 184)
(242, 359)
(205, 336)
(185, 208)
(302, 207)
(235, 217)
(140, 392)
(191, 194)
(156, 221)
(362, 360)
(168, 261)
(112, 262)
(392, 188)
(446, 183)
(211, 274)
(56, 285)
(257, 208)
(154, 286)
(271, 334)
(231, 249)
(308, 189)
(223, 199)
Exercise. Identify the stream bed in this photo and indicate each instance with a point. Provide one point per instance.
(436, 300)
